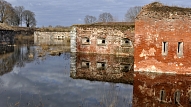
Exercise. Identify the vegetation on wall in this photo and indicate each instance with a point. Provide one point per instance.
(122, 26)
(159, 7)
(54, 29)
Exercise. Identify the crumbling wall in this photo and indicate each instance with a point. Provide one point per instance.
(105, 39)
(150, 35)
(160, 11)
(6, 41)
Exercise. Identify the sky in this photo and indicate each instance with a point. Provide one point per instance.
(69, 12)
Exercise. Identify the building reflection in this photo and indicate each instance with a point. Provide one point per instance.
(161, 90)
(52, 38)
(101, 67)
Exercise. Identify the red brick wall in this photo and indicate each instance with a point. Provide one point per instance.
(112, 36)
(149, 35)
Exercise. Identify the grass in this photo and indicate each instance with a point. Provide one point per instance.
(156, 6)
(21, 39)
(54, 29)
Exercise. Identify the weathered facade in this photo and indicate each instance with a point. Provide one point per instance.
(51, 38)
(110, 68)
(162, 39)
(6, 41)
(103, 38)
(161, 90)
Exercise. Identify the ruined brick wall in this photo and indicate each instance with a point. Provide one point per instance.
(156, 34)
(51, 38)
(7, 40)
(7, 36)
(161, 90)
(105, 39)
(102, 67)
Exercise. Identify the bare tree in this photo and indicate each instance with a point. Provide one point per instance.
(29, 18)
(19, 12)
(89, 19)
(132, 13)
(13, 19)
(6, 11)
(105, 17)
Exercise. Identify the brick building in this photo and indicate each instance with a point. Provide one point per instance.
(103, 38)
(163, 39)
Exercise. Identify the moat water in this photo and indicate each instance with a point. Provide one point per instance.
(52, 76)
(32, 76)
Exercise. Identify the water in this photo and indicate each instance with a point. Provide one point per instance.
(51, 76)
(161, 90)
(31, 77)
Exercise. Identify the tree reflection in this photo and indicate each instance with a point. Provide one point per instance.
(19, 58)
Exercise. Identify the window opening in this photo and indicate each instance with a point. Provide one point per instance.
(101, 65)
(85, 41)
(164, 48)
(189, 97)
(162, 95)
(126, 42)
(85, 64)
(177, 97)
(101, 41)
(179, 46)
(180, 49)
(125, 67)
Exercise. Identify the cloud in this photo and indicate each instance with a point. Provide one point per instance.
(50, 83)
(67, 12)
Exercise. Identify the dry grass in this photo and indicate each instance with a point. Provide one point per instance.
(20, 39)
(44, 47)
(54, 29)
(159, 7)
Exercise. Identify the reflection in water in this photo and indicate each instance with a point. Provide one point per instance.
(52, 38)
(102, 67)
(161, 90)
(35, 76)
(44, 81)
(7, 62)
(51, 45)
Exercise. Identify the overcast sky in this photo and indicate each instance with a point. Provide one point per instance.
(69, 12)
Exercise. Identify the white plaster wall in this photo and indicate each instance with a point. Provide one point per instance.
(73, 39)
